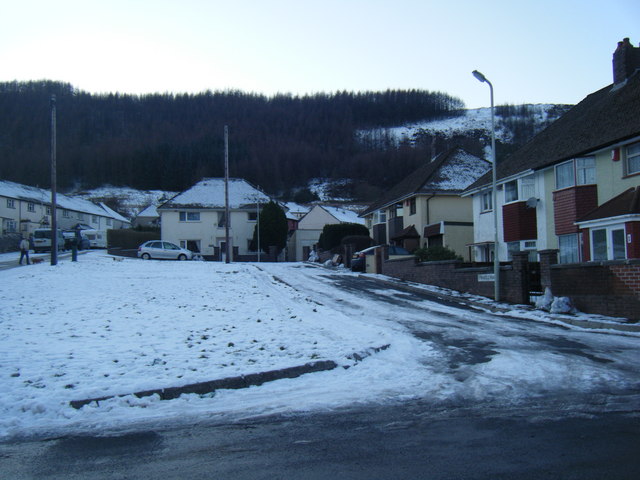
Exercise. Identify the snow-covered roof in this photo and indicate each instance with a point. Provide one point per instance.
(344, 216)
(41, 196)
(149, 211)
(295, 211)
(209, 193)
(113, 214)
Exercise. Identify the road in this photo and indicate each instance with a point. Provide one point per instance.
(8, 261)
(564, 405)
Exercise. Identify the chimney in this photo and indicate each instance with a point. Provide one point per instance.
(626, 60)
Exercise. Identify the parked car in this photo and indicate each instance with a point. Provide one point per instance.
(359, 259)
(163, 250)
(42, 240)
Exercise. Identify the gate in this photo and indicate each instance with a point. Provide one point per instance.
(534, 280)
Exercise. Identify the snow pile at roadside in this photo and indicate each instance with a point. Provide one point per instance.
(98, 327)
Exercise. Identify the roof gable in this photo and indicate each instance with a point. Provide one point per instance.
(209, 193)
(448, 173)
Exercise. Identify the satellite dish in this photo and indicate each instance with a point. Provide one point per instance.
(532, 202)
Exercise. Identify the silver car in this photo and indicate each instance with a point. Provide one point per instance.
(163, 250)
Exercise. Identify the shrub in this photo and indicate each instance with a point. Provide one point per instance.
(332, 235)
(432, 254)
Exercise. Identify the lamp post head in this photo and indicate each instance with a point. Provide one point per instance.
(479, 76)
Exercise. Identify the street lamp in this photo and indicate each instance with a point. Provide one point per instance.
(496, 261)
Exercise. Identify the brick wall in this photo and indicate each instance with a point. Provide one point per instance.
(456, 275)
(519, 222)
(571, 203)
(606, 288)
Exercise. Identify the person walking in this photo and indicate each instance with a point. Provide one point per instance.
(24, 250)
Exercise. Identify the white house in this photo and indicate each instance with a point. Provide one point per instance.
(148, 217)
(311, 225)
(24, 208)
(195, 218)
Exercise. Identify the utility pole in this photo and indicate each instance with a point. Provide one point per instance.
(54, 221)
(226, 193)
(258, 224)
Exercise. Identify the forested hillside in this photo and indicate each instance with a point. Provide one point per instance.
(168, 142)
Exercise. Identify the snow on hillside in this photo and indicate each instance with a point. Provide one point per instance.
(131, 201)
(471, 120)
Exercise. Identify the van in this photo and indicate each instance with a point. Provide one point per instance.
(42, 240)
(97, 238)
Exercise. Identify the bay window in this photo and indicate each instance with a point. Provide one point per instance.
(579, 171)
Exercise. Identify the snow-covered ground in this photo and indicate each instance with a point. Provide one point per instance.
(99, 327)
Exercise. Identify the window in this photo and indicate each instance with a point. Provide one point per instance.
(564, 175)
(66, 214)
(31, 207)
(189, 216)
(523, 246)
(253, 216)
(412, 206)
(80, 216)
(109, 221)
(380, 216)
(487, 201)
(568, 246)
(580, 171)
(9, 226)
(585, 170)
(222, 219)
(511, 191)
(11, 203)
(633, 159)
(608, 244)
(48, 210)
(94, 219)
(528, 187)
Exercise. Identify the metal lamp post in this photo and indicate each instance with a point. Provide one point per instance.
(496, 261)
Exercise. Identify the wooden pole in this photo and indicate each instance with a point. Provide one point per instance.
(226, 194)
(54, 220)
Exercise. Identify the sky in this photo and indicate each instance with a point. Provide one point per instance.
(543, 51)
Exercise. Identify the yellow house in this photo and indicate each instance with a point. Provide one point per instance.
(426, 209)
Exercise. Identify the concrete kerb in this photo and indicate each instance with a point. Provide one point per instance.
(234, 383)
(491, 306)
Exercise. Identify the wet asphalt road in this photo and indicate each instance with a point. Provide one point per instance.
(404, 441)
(556, 435)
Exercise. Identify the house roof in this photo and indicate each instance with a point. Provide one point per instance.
(627, 203)
(209, 193)
(602, 119)
(41, 196)
(342, 215)
(113, 214)
(448, 173)
(409, 232)
(149, 211)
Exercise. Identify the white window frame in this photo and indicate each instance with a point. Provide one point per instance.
(109, 221)
(486, 201)
(562, 255)
(379, 216)
(511, 194)
(581, 173)
(11, 203)
(633, 154)
(609, 244)
(187, 216)
(31, 207)
(65, 214)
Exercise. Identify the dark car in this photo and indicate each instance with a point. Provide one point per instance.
(359, 259)
(71, 239)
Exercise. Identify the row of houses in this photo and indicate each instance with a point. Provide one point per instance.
(575, 187)
(24, 208)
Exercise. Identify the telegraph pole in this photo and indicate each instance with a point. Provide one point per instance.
(226, 193)
(54, 221)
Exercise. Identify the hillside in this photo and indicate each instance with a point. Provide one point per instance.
(364, 142)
